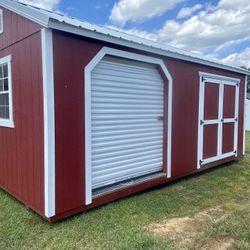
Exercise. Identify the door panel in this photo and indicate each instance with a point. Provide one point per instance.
(211, 101)
(228, 138)
(229, 102)
(210, 141)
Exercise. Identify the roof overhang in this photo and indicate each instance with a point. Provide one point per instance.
(32, 14)
(141, 44)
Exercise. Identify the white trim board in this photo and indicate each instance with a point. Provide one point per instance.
(88, 69)
(49, 122)
(8, 123)
(1, 20)
(218, 78)
(244, 122)
(221, 81)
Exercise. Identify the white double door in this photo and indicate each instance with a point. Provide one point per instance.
(218, 118)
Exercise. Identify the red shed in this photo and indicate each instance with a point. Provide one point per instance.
(89, 114)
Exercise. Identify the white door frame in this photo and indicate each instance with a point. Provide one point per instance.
(88, 69)
(222, 81)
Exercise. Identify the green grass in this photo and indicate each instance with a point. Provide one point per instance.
(121, 224)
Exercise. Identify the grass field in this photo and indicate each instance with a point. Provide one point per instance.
(208, 211)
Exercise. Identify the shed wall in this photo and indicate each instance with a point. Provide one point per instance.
(71, 55)
(185, 113)
(21, 157)
(16, 28)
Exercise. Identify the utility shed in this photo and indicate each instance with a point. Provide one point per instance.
(89, 114)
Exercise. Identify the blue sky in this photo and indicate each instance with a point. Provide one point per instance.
(215, 28)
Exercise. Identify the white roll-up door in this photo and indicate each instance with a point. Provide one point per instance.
(127, 108)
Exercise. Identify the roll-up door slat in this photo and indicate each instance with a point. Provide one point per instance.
(139, 81)
(142, 145)
(122, 157)
(116, 90)
(124, 85)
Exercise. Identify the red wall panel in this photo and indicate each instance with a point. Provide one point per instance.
(227, 138)
(16, 28)
(211, 101)
(210, 141)
(69, 116)
(229, 102)
(71, 55)
(21, 157)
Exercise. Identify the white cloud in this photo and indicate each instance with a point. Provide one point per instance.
(137, 10)
(188, 11)
(209, 31)
(45, 4)
(239, 59)
(213, 29)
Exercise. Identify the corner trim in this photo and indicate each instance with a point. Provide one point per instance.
(49, 122)
(244, 117)
(88, 69)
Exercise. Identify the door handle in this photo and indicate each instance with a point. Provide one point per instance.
(160, 118)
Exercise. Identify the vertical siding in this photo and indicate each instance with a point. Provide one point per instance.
(21, 148)
(15, 28)
(185, 113)
(69, 116)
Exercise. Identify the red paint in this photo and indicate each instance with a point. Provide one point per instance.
(69, 101)
(69, 115)
(21, 158)
(228, 138)
(210, 141)
(16, 28)
(211, 101)
(229, 102)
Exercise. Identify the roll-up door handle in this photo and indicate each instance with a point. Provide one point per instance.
(160, 118)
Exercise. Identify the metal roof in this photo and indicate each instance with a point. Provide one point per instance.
(61, 22)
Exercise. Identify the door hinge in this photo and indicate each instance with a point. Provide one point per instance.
(160, 118)
(201, 161)
(201, 122)
(235, 152)
(222, 120)
(236, 119)
(203, 79)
